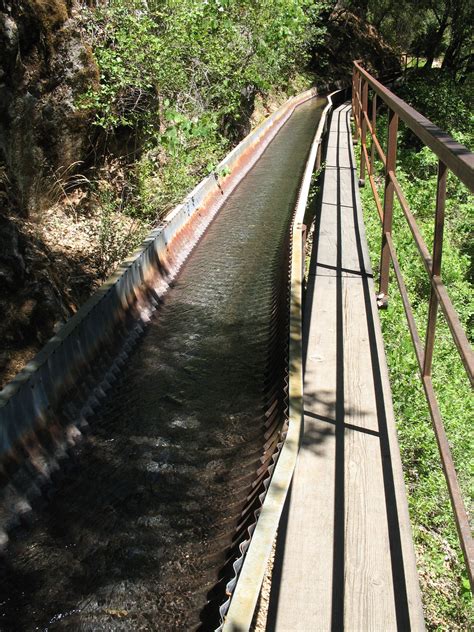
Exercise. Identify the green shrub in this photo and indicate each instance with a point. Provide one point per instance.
(443, 100)
(199, 56)
(181, 76)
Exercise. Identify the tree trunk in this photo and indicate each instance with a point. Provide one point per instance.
(433, 51)
(460, 34)
(452, 54)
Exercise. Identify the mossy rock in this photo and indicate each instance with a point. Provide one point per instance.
(51, 14)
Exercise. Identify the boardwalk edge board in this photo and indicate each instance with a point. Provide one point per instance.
(244, 588)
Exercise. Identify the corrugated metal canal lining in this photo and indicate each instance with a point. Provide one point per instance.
(145, 517)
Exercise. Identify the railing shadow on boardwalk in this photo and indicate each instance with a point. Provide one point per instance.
(336, 420)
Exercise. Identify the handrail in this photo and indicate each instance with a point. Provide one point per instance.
(457, 158)
(454, 155)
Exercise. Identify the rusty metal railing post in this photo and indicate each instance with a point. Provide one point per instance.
(353, 92)
(460, 514)
(363, 130)
(355, 105)
(374, 130)
(388, 206)
(436, 266)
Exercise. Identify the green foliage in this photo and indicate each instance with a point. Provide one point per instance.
(116, 238)
(181, 77)
(427, 28)
(443, 576)
(443, 100)
(200, 56)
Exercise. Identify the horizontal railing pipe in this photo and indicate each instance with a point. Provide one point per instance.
(454, 155)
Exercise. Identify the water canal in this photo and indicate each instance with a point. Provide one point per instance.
(137, 530)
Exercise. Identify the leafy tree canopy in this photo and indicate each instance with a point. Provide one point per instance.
(200, 55)
(429, 28)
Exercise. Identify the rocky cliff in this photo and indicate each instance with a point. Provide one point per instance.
(45, 64)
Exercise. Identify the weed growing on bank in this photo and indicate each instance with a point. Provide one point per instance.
(179, 82)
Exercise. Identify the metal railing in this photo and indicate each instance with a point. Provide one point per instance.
(451, 156)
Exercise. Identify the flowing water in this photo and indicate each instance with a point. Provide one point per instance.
(136, 530)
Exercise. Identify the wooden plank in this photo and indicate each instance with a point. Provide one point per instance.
(345, 557)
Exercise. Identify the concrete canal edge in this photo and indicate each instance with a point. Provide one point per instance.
(246, 588)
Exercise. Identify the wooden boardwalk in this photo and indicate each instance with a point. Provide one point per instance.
(345, 558)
